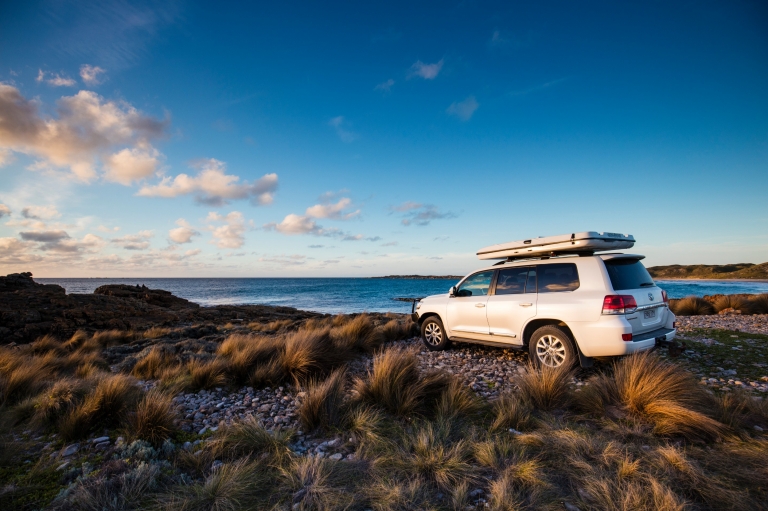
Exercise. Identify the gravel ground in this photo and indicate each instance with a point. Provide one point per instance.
(754, 324)
(488, 371)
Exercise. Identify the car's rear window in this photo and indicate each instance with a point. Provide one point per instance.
(628, 274)
(554, 278)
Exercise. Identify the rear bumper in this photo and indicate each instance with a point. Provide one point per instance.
(603, 338)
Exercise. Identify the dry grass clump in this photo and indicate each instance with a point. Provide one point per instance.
(112, 337)
(106, 405)
(323, 405)
(249, 438)
(47, 344)
(156, 332)
(153, 363)
(59, 400)
(244, 353)
(320, 484)
(21, 377)
(393, 383)
(759, 304)
(510, 411)
(128, 489)
(691, 306)
(312, 353)
(430, 454)
(206, 375)
(233, 486)
(737, 302)
(545, 388)
(154, 417)
(657, 391)
(273, 326)
(358, 334)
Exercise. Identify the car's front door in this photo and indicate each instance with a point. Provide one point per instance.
(466, 309)
(512, 303)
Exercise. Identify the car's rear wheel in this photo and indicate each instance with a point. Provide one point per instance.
(433, 334)
(550, 346)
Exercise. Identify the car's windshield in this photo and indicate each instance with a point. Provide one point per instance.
(628, 274)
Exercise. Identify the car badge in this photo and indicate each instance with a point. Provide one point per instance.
(650, 296)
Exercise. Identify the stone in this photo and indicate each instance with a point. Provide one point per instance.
(100, 440)
(336, 457)
(70, 450)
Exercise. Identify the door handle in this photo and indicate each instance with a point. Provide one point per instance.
(479, 305)
(525, 304)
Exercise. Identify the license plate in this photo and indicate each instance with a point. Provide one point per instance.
(649, 314)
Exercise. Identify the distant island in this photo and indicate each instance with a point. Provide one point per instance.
(422, 277)
(711, 271)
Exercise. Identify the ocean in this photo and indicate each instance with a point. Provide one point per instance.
(340, 295)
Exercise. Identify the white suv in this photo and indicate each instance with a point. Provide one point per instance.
(562, 309)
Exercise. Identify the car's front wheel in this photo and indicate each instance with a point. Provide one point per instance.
(550, 346)
(433, 334)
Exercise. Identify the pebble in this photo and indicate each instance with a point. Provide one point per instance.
(70, 450)
(750, 323)
(100, 440)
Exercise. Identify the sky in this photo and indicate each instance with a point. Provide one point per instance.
(314, 139)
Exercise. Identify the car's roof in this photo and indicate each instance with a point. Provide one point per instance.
(558, 259)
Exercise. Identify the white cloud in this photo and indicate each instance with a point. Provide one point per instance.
(4, 210)
(285, 260)
(229, 235)
(296, 224)
(464, 109)
(213, 187)
(385, 86)
(339, 124)
(87, 129)
(333, 211)
(138, 241)
(6, 157)
(104, 228)
(183, 233)
(426, 71)
(55, 79)
(61, 242)
(90, 74)
(40, 212)
(129, 165)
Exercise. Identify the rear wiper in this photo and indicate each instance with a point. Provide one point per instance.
(646, 284)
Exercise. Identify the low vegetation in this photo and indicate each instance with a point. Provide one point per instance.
(717, 304)
(640, 433)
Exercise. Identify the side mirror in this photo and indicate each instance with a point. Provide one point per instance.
(452, 291)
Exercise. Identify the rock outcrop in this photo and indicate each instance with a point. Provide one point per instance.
(29, 310)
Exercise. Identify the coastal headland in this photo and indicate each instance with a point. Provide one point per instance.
(134, 396)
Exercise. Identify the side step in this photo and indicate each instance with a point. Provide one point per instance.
(495, 344)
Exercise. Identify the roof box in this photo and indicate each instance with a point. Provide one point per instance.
(577, 242)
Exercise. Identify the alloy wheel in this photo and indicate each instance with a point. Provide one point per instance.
(550, 351)
(433, 334)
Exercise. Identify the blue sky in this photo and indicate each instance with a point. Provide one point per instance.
(354, 139)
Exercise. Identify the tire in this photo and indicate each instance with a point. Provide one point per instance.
(433, 334)
(551, 346)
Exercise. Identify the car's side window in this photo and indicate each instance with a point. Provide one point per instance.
(555, 278)
(476, 285)
(511, 281)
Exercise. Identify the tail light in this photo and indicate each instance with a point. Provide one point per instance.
(664, 297)
(619, 304)
(626, 337)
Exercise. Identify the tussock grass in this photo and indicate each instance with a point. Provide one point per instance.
(107, 405)
(759, 304)
(153, 363)
(156, 332)
(249, 438)
(123, 491)
(545, 388)
(311, 353)
(21, 378)
(359, 334)
(243, 353)
(233, 486)
(322, 408)
(691, 306)
(510, 411)
(62, 398)
(430, 454)
(279, 325)
(47, 344)
(154, 418)
(206, 375)
(737, 302)
(656, 391)
(319, 484)
(112, 337)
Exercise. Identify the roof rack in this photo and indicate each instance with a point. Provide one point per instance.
(580, 253)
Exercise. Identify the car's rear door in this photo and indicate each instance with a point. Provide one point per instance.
(629, 277)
